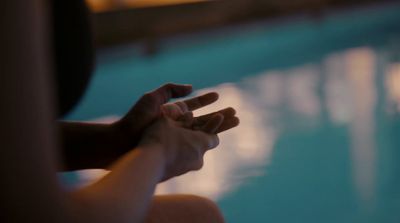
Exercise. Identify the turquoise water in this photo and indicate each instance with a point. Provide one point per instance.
(319, 102)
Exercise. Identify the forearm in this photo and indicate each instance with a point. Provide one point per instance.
(125, 193)
(90, 145)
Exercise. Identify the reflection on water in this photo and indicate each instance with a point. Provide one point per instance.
(337, 90)
(319, 105)
(351, 97)
(360, 68)
(308, 134)
(393, 86)
(246, 148)
(243, 152)
(274, 103)
(301, 88)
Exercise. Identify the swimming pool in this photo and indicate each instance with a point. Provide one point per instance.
(319, 102)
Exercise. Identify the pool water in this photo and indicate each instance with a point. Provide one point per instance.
(319, 103)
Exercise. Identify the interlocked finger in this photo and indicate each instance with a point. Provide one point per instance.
(213, 124)
(226, 112)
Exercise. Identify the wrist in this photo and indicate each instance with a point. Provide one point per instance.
(155, 150)
(122, 136)
(151, 145)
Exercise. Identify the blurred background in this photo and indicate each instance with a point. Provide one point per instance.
(316, 84)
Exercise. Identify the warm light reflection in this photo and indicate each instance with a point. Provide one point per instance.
(338, 90)
(301, 89)
(247, 147)
(360, 68)
(150, 3)
(350, 90)
(259, 100)
(393, 86)
(105, 5)
(270, 86)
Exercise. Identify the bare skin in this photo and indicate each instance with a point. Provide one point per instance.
(30, 155)
(180, 111)
(88, 145)
(182, 209)
(166, 150)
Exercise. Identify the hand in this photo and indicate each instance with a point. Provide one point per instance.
(149, 107)
(176, 110)
(182, 148)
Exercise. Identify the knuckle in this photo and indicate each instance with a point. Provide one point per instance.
(148, 102)
(168, 85)
(150, 96)
(182, 106)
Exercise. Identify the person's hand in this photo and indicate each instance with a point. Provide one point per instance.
(177, 110)
(182, 148)
(150, 107)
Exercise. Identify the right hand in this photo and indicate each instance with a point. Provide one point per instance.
(182, 148)
(153, 105)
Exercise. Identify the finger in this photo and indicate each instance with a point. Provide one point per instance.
(172, 110)
(211, 142)
(201, 101)
(182, 106)
(226, 112)
(164, 93)
(186, 119)
(228, 124)
(213, 124)
(214, 141)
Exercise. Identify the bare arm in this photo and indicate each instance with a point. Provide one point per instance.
(167, 149)
(28, 157)
(123, 195)
(89, 145)
(29, 161)
(30, 191)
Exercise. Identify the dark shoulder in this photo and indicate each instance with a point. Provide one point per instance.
(73, 51)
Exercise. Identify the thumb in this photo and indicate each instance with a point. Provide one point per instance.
(149, 105)
(164, 93)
